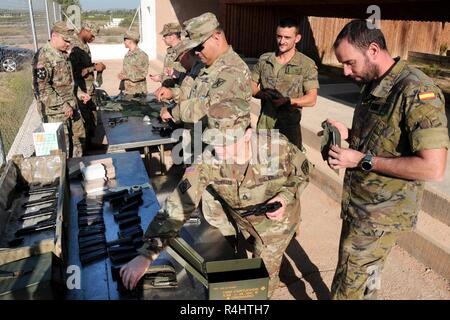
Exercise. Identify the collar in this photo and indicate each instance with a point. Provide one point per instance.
(384, 87)
(219, 60)
(295, 60)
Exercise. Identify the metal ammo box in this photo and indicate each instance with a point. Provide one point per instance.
(32, 202)
(236, 279)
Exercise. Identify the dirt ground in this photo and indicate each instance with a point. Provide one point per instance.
(310, 260)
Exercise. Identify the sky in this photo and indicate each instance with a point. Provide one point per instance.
(109, 4)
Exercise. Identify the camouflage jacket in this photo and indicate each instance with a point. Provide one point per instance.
(182, 92)
(169, 62)
(227, 77)
(403, 114)
(52, 80)
(135, 69)
(81, 58)
(277, 167)
(293, 80)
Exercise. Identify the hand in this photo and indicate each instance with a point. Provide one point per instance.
(68, 113)
(155, 78)
(343, 130)
(100, 66)
(168, 71)
(133, 271)
(121, 76)
(84, 72)
(341, 158)
(165, 114)
(163, 93)
(279, 214)
(281, 102)
(85, 98)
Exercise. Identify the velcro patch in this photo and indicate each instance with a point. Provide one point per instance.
(305, 167)
(190, 170)
(41, 73)
(219, 82)
(423, 96)
(184, 186)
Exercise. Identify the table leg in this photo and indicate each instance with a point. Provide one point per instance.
(147, 159)
(161, 150)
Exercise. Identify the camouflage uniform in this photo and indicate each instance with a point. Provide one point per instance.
(135, 68)
(276, 168)
(170, 58)
(53, 86)
(403, 114)
(228, 77)
(81, 59)
(293, 80)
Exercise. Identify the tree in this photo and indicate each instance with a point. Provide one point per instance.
(65, 3)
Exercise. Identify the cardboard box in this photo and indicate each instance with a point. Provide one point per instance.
(49, 137)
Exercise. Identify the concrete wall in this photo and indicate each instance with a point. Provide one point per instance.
(179, 11)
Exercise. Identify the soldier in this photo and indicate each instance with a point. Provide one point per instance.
(193, 65)
(54, 88)
(398, 140)
(244, 174)
(172, 69)
(285, 81)
(83, 73)
(135, 66)
(226, 76)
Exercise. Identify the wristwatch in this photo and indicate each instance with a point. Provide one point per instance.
(366, 163)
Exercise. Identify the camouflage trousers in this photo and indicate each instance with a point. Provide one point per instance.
(73, 130)
(362, 254)
(276, 235)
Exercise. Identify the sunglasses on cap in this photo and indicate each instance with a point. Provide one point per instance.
(201, 46)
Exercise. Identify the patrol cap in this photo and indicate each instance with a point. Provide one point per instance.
(200, 28)
(170, 28)
(61, 28)
(132, 35)
(181, 47)
(91, 26)
(227, 121)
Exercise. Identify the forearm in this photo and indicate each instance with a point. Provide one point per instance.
(308, 100)
(411, 168)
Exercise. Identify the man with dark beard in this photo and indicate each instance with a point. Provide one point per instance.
(398, 140)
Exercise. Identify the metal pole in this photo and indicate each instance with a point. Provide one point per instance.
(48, 18)
(2, 151)
(140, 23)
(54, 11)
(33, 29)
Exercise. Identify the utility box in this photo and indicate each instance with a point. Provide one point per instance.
(235, 279)
(33, 203)
(49, 137)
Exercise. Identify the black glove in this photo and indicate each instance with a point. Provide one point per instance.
(261, 94)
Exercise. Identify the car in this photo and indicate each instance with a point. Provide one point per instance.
(13, 58)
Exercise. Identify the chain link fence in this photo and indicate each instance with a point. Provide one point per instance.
(24, 24)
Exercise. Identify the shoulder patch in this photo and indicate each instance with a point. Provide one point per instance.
(429, 95)
(219, 82)
(41, 73)
(184, 186)
(305, 167)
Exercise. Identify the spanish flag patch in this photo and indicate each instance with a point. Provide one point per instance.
(423, 96)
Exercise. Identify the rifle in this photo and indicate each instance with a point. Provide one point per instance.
(116, 120)
(256, 210)
(38, 227)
